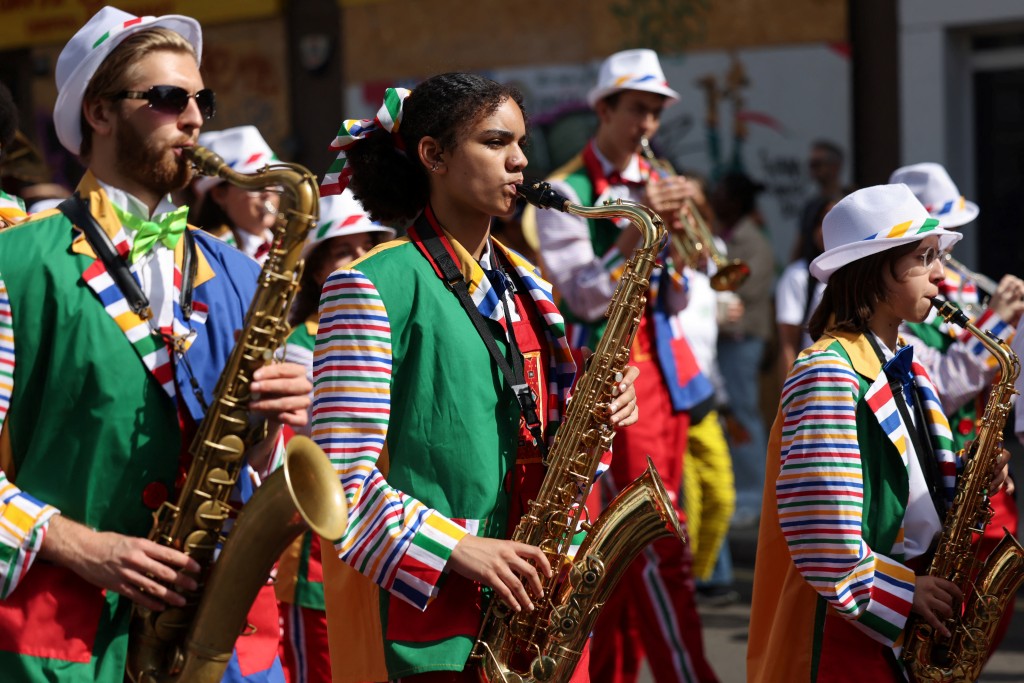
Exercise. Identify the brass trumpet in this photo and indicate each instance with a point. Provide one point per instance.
(730, 273)
(983, 282)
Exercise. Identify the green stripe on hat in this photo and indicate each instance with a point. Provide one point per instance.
(323, 229)
(101, 39)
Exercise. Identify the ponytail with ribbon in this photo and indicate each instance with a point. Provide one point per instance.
(388, 118)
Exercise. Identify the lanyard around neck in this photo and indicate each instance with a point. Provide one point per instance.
(514, 374)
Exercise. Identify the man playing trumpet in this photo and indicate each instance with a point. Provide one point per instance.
(584, 259)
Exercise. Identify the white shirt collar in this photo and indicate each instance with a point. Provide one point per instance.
(249, 242)
(131, 204)
(631, 172)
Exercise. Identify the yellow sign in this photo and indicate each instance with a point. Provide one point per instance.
(24, 23)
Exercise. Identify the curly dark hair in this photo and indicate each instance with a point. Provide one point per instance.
(854, 291)
(391, 183)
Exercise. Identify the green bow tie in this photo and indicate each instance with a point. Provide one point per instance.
(168, 230)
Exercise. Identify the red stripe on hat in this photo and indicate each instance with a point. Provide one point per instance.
(132, 22)
(254, 158)
(350, 220)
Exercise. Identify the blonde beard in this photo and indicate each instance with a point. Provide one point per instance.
(157, 170)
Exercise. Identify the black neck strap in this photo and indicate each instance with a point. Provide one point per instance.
(77, 210)
(919, 436)
(514, 375)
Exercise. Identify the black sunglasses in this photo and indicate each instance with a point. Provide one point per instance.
(173, 99)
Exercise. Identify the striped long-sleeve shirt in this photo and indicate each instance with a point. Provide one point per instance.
(827, 404)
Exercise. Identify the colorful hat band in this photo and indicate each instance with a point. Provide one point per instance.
(389, 118)
(908, 229)
(952, 205)
(633, 79)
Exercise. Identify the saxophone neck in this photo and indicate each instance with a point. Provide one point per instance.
(645, 219)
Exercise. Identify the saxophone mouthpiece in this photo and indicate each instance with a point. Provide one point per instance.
(542, 196)
(950, 312)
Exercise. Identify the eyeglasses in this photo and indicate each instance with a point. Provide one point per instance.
(930, 256)
(173, 99)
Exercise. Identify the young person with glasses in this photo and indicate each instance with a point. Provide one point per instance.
(860, 462)
(436, 452)
(99, 403)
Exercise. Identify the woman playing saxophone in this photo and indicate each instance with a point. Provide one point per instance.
(439, 450)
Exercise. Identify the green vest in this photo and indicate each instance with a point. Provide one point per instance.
(453, 430)
(89, 426)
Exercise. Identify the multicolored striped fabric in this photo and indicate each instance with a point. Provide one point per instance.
(12, 209)
(389, 118)
(820, 488)
(393, 538)
(907, 229)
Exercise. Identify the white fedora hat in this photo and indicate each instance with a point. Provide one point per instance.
(87, 49)
(341, 214)
(242, 148)
(631, 70)
(872, 220)
(933, 187)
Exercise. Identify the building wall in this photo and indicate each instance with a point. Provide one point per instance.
(389, 39)
(937, 67)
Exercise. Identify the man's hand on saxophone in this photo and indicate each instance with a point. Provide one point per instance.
(137, 568)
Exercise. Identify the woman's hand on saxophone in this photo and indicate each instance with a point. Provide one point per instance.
(622, 410)
(934, 601)
(137, 568)
(281, 393)
(503, 566)
(1002, 472)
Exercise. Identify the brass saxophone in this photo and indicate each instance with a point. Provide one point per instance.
(194, 643)
(546, 644)
(927, 655)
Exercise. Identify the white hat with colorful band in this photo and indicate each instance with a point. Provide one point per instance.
(631, 70)
(933, 187)
(242, 148)
(342, 214)
(87, 49)
(872, 220)
(389, 118)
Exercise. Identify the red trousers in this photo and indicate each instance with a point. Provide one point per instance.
(652, 609)
(306, 658)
